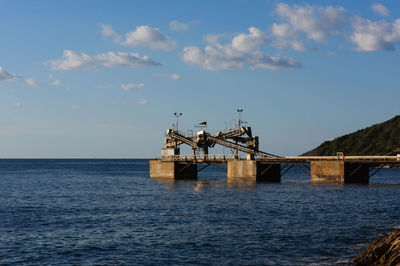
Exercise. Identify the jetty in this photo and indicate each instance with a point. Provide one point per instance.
(256, 166)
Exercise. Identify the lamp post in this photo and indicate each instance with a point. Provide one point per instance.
(177, 115)
(236, 150)
(239, 111)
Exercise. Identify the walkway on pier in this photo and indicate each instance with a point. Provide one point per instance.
(321, 169)
(224, 158)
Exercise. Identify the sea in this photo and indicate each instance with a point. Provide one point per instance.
(109, 212)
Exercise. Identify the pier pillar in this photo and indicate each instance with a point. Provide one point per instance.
(173, 170)
(339, 172)
(252, 170)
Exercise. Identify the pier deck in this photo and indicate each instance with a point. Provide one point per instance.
(321, 169)
(224, 158)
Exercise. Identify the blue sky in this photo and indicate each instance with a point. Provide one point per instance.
(103, 78)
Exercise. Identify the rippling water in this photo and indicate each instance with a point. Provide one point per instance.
(110, 212)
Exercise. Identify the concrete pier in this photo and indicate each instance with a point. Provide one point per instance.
(323, 169)
(252, 170)
(339, 172)
(259, 166)
(173, 169)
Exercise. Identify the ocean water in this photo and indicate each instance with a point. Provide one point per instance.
(110, 212)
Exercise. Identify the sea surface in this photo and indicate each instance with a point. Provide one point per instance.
(109, 212)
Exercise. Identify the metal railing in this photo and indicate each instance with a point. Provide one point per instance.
(198, 157)
(339, 157)
(288, 159)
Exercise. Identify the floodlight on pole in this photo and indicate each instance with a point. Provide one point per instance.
(177, 115)
(239, 111)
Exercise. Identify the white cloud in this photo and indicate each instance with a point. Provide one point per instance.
(273, 62)
(168, 76)
(151, 37)
(213, 39)
(244, 49)
(17, 104)
(56, 82)
(75, 107)
(298, 46)
(317, 23)
(313, 22)
(211, 58)
(175, 77)
(7, 76)
(290, 44)
(75, 60)
(249, 42)
(32, 82)
(178, 26)
(216, 59)
(117, 59)
(130, 86)
(380, 9)
(373, 36)
(107, 30)
(284, 30)
(143, 102)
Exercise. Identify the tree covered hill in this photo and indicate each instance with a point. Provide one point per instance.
(379, 139)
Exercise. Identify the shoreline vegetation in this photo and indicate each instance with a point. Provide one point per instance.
(379, 139)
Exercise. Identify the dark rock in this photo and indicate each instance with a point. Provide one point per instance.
(385, 250)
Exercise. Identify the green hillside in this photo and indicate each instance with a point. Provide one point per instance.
(379, 139)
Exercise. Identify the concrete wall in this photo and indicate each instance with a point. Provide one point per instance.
(327, 171)
(244, 169)
(338, 172)
(251, 170)
(160, 169)
(172, 170)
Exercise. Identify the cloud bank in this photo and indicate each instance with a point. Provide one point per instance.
(380, 9)
(312, 22)
(244, 49)
(7, 76)
(373, 36)
(142, 36)
(75, 60)
(318, 24)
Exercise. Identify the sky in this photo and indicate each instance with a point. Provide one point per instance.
(104, 78)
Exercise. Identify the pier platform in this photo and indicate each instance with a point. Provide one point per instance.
(321, 169)
(258, 166)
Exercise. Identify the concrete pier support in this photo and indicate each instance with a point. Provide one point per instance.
(252, 170)
(173, 170)
(339, 172)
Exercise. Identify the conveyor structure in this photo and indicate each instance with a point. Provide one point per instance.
(242, 138)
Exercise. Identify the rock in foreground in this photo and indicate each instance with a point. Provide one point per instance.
(385, 250)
